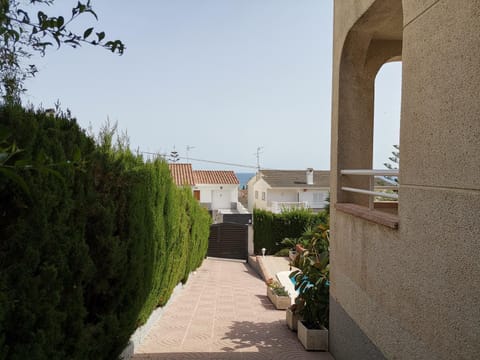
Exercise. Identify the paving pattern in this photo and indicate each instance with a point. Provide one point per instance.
(223, 313)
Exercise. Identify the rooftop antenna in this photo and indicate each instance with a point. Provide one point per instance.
(258, 152)
(188, 150)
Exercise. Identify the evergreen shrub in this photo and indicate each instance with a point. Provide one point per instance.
(95, 243)
(270, 229)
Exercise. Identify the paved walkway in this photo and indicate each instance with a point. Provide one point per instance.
(223, 313)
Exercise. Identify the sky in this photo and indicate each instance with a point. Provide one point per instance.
(221, 77)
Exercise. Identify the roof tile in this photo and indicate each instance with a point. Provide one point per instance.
(182, 174)
(215, 177)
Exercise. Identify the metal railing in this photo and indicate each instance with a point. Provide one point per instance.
(279, 206)
(371, 189)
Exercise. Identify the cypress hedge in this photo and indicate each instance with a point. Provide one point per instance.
(270, 229)
(92, 239)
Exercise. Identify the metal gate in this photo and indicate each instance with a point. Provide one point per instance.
(228, 240)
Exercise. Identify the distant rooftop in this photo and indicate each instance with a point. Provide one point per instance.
(183, 174)
(215, 177)
(295, 178)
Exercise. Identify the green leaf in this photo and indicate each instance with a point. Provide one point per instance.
(22, 163)
(57, 39)
(93, 13)
(101, 36)
(87, 32)
(12, 175)
(77, 156)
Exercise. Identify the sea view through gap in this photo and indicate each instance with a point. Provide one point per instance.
(243, 179)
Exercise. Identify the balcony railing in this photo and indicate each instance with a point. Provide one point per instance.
(374, 191)
(279, 206)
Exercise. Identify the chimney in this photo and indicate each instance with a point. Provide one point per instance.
(309, 176)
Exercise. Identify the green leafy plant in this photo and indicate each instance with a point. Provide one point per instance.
(280, 291)
(278, 288)
(291, 243)
(282, 253)
(312, 278)
(9, 164)
(297, 307)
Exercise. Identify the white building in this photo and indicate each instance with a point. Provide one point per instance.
(277, 190)
(212, 188)
(216, 189)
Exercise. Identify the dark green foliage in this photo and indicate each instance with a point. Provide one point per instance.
(270, 229)
(312, 278)
(98, 241)
(283, 252)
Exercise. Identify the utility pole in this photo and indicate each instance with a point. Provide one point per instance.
(258, 156)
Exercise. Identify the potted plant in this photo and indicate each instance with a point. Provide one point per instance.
(295, 245)
(293, 313)
(291, 244)
(278, 295)
(312, 282)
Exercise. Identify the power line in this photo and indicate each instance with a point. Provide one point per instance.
(189, 147)
(224, 163)
(202, 160)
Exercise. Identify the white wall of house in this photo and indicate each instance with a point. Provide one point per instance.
(250, 192)
(315, 198)
(255, 192)
(220, 196)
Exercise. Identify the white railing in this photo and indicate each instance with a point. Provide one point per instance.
(279, 206)
(371, 190)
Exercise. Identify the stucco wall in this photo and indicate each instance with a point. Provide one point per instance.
(414, 293)
(229, 192)
(251, 193)
(261, 186)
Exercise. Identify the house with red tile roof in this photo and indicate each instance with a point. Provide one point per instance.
(215, 189)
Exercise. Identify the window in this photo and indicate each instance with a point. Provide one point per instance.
(263, 195)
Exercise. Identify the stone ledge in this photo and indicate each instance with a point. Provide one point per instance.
(376, 216)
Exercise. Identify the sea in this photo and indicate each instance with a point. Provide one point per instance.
(243, 179)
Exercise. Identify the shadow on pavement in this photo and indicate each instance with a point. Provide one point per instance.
(248, 340)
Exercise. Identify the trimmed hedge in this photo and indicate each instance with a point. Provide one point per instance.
(270, 229)
(98, 242)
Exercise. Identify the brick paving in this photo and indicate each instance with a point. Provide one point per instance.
(223, 313)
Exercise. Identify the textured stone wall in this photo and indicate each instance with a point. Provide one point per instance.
(411, 293)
